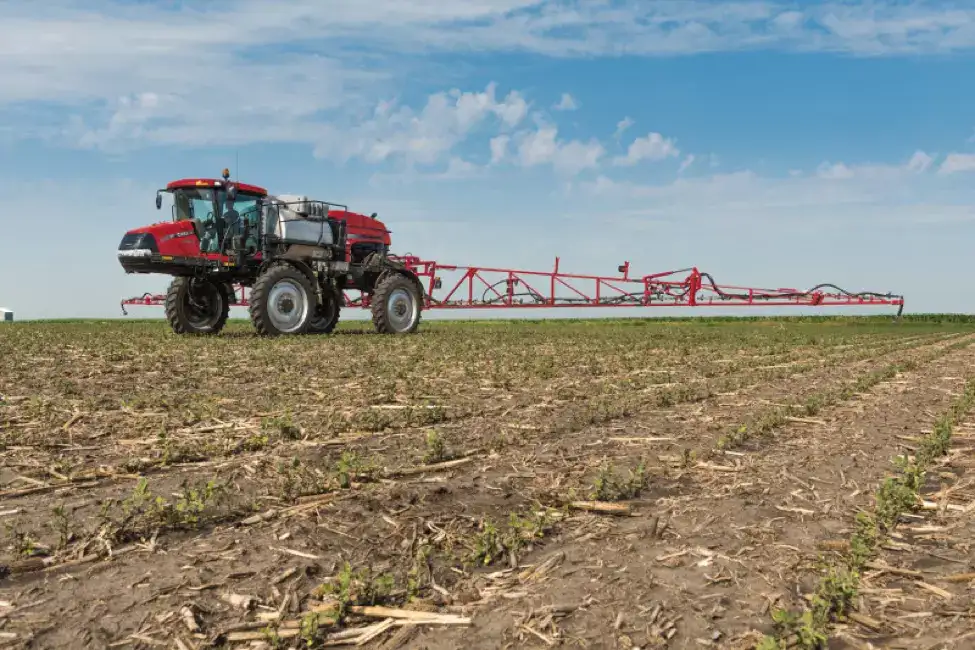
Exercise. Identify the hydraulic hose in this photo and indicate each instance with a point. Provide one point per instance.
(798, 294)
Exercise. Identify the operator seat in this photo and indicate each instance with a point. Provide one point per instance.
(230, 227)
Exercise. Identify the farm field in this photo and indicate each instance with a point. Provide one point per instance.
(604, 484)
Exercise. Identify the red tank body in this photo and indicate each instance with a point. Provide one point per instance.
(362, 231)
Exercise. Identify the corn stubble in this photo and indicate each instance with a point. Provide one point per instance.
(423, 474)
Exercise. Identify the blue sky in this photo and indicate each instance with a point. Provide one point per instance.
(769, 143)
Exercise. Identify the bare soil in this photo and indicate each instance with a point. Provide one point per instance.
(617, 485)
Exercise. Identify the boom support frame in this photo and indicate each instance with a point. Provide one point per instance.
(519, 289)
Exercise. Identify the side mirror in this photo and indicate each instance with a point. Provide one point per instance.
(231, 192)
(158, 201)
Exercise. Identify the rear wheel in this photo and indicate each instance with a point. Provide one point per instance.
(282, 301)
(396, 305)
(197, 306)
(326, 316)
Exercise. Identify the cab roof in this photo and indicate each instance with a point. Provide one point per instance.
(191, 183)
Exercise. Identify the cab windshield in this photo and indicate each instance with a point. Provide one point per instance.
(218, 218)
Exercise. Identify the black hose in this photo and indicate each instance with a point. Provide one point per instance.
(796, 294)
(531, 292)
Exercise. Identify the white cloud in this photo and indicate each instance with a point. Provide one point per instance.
(499, 148)
(458, 168)
(651, 147)
(835, 171)
(567, 103)
(424, 137)
(253, 70)
(920, 162)
(957, 162)
(513, 109)
(132, 115)
(542, 146)
(538, 147)
(576, 156)
(878, 193)
(622, 126)
(787, 22)
(687, 162)
(599, 27)
(431, 136)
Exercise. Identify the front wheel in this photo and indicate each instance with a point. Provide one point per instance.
(282, 301)
(197, 306)
(396, 305)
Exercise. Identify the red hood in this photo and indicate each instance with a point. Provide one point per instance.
(176, 238)
(162, 228)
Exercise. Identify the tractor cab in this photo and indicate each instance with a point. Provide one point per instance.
(218, 210)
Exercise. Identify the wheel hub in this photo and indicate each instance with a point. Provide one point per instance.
(287, 307)
(402, 309)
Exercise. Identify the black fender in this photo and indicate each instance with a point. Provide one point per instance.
(399, 269)
(302, 267)
(298, 264)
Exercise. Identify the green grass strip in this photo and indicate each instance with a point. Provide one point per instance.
(775, 417)
(837, 588)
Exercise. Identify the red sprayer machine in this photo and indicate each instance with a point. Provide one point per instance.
(293, 261)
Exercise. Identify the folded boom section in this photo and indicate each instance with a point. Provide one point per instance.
(471, 287)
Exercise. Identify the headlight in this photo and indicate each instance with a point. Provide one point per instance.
(135, 252)
(138, 241)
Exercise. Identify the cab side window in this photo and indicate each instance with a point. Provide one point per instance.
(246, 207)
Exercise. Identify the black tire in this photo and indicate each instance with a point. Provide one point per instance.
(288, 312)
(197, 306)
(396, 305)
(326, 316)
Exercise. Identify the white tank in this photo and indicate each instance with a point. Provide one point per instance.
(302, 204)
(301, 221)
